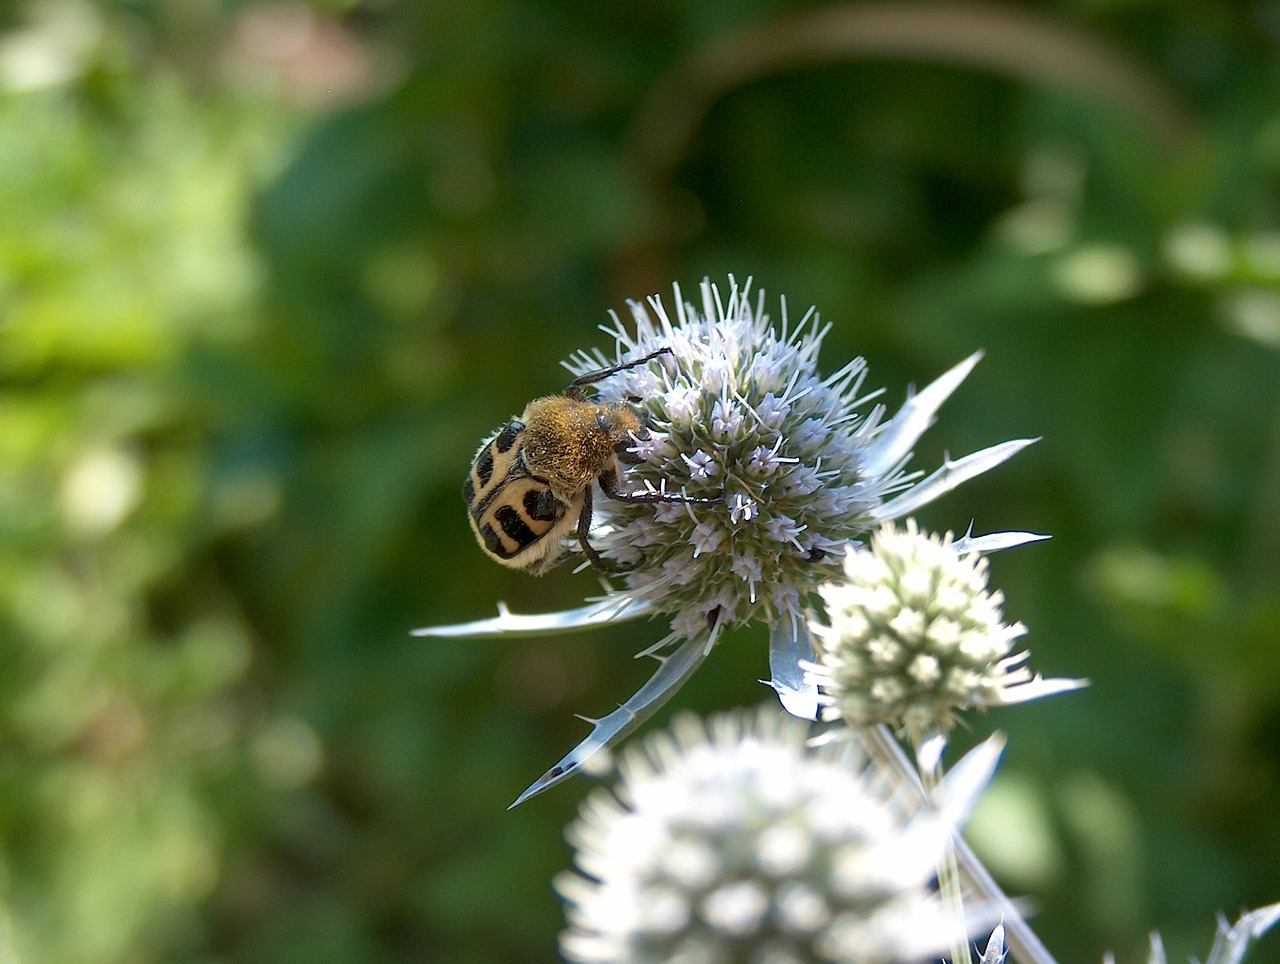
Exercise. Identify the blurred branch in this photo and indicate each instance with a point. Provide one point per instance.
(1025, 45)
(1022, 44)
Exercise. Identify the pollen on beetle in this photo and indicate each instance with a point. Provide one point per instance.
(736, 840)
(914, 637)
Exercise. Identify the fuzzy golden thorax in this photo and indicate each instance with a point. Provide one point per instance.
(571, 443)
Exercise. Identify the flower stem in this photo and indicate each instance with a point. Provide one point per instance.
(930, 770)
(1023, 943)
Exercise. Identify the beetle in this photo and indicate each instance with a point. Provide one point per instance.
(531, 481)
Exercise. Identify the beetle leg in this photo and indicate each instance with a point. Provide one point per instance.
(613, 489)
(584, 527)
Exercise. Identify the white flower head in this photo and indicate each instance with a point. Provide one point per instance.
(736, 840)
(791, 469)
(914, 636)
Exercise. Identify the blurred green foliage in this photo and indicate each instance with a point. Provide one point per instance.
(268, 272)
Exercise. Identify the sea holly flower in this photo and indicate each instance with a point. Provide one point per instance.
(738, 840)
(913, 636)
(797, 468)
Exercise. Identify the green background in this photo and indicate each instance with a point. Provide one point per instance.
(269, 272)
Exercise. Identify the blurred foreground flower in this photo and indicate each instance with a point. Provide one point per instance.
(914, 636)
(799, 467)
(737, 841)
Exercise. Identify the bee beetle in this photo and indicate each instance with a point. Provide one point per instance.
(531, 481)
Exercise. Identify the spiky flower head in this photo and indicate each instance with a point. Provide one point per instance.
(790, 468)
(738, 841)
(914, 636)
(739, 414)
